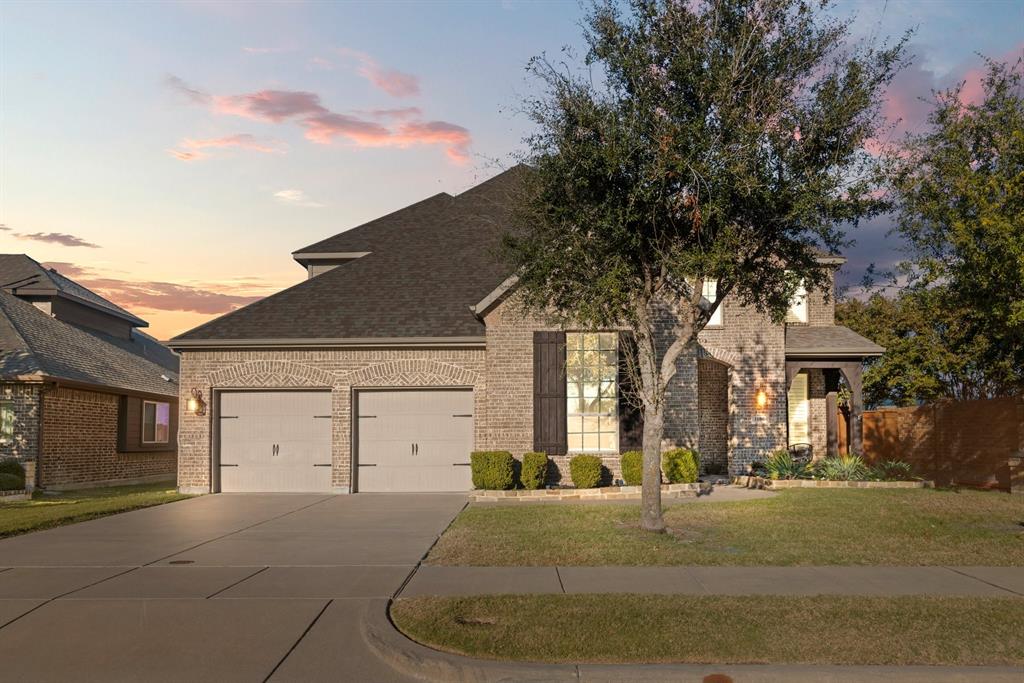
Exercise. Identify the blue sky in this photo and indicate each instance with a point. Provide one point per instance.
(146, 129)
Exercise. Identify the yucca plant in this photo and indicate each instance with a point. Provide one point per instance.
(892, 470)
(842, 468)
(781, 465)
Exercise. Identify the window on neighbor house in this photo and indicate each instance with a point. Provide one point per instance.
(6, 421)
(799, 407)
(591, 375)
(156, 422)
(711, 294)
(798, 306)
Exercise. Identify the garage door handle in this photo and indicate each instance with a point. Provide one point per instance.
(462, 464)
(364, 417)
(367, 464)
(322, 417)
(321, 464)
(224, 464)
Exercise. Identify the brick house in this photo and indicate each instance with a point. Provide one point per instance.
(404, 350)
(86, 399)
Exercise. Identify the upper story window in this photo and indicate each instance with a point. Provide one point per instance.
(711, 294)
(591, 375)
(6, 421)
(156, 422)
(798, 306)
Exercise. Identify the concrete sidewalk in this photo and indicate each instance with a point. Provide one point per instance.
(866, 581)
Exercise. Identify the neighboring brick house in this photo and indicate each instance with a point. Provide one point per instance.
(404, 350)
(86, 399)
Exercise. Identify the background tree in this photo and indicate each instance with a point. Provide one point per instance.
(714, 140)
(959, 194)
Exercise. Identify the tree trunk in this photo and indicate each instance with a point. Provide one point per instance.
(650, 497)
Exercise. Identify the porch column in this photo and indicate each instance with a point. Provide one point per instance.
(831, 412)
(852, 372)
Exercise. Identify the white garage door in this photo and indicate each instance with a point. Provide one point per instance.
(414, 440)
(275, 441)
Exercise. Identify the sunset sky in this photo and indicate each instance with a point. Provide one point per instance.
(172, 155)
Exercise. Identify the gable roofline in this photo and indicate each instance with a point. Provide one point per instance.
(42, 281)
(304, 258)
(346, 342)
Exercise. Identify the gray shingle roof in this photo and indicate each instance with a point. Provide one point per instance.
(828, 340)
(428, 264)
(20, 272)
(35, 345)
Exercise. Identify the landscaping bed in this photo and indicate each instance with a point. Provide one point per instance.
(720, 629)
(753, 482)
(795, 527)
(44, 511)
(600, 493)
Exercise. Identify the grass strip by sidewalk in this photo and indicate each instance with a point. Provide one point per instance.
(720, 629)
(796, 527)
(45, 511)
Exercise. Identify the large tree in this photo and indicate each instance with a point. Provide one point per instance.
(958, 188)
(717, 140)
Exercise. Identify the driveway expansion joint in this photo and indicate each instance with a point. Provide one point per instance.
(211, 595)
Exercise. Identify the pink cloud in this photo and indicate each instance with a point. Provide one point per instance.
(323, 126)
(264, 50)
(269, 105)
(392, 81)
(162, 296)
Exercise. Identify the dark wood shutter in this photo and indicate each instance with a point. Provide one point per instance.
(631, 417)
(549, 418)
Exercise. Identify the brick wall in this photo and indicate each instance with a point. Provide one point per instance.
(818, 421)
(965, 443)
(79, 443)
(24, 399)
(340, 370)
(713, 406)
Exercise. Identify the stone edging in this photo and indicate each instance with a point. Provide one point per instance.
(21, 494)
(602, 493)
(752, 482)
(423, 663)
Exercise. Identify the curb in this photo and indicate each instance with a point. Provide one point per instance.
(423, 663)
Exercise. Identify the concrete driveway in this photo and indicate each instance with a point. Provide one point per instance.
(226, 587)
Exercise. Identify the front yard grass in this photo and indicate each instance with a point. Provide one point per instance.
(718, 629)
(796, 527)
(46, 511)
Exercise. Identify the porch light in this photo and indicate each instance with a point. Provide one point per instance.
(761, 399)
(195, 403)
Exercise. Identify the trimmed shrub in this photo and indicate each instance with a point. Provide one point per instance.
(492, 470)
(782, 465)
(12, 466)
(11, 482)
(534, 470)
(632, 463)
(892, 470)
(585, 471)
(843, 468)
(680, 465)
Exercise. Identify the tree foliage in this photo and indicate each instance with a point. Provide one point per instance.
(956, 330)
(718, 140)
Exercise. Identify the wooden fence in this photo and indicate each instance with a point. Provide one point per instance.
(962, 443)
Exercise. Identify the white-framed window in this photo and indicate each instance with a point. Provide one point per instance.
(156, 422)
(799, 407)
(592, 391)
(6, 421)
(798, 306)
(711, 294)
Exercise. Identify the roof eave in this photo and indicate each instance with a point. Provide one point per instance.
(347, 343)
(818, 353)
(495, 297)
(52, 292)
(304, 258)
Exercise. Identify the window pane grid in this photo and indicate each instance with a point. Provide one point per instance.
(592, 391)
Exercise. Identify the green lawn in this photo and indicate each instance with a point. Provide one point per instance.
(796, 527)
(645, 628)
(45, 511)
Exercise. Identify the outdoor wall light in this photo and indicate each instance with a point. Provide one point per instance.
(761, 399)
(195, 403)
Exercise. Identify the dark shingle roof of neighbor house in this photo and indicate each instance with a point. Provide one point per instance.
(23, 275)
(429, 263)
(34, 345)
(828, 340)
